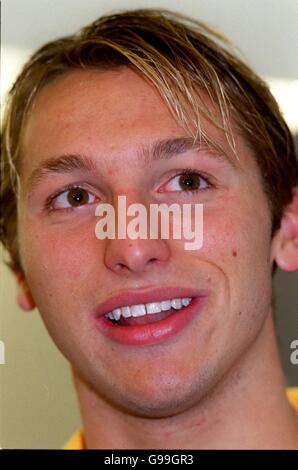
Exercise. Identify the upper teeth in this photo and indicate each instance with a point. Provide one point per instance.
(150, 308)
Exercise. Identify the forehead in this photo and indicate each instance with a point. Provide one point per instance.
(110, 110)
(115, 98)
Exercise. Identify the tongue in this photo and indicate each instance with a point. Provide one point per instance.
(145, 319)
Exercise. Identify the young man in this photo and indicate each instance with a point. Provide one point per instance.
(170, 348)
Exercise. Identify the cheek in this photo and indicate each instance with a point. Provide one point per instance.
(239, 232)
(231, 238)
(235, 254)
(56, 259)
(237, 243)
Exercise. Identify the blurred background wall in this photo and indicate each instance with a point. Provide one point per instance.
(38, 408)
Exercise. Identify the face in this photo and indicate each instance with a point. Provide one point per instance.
(108, 117)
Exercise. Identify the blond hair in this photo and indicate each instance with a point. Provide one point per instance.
(185, 60)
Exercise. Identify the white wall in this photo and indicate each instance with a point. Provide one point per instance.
(266, 31)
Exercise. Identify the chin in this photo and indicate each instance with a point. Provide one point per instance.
(157, 395)
(164, 401)
(157, 409)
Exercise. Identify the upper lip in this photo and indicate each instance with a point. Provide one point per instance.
(133, 297)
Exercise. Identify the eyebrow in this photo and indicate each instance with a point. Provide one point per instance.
(62, 164)
(167, 148)
(161, 149)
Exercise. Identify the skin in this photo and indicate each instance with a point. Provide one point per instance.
(218, 383)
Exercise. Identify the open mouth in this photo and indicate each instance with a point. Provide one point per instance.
(149, 316)
(143, 314)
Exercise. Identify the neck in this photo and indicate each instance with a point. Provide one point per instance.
(247, 409)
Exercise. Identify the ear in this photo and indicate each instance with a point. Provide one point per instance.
(24, 297)
(285, 245)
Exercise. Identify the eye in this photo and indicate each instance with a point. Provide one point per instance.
(71, 198)
(187, 181)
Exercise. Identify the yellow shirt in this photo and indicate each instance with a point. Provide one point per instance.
(77, 440)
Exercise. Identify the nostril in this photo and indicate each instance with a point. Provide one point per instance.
(121, 267)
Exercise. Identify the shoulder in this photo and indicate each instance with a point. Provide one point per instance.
(76, 442)
(292, 393)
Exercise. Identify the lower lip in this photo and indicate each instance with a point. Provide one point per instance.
(152, 333)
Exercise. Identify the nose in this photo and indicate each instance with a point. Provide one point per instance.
(135, 256)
